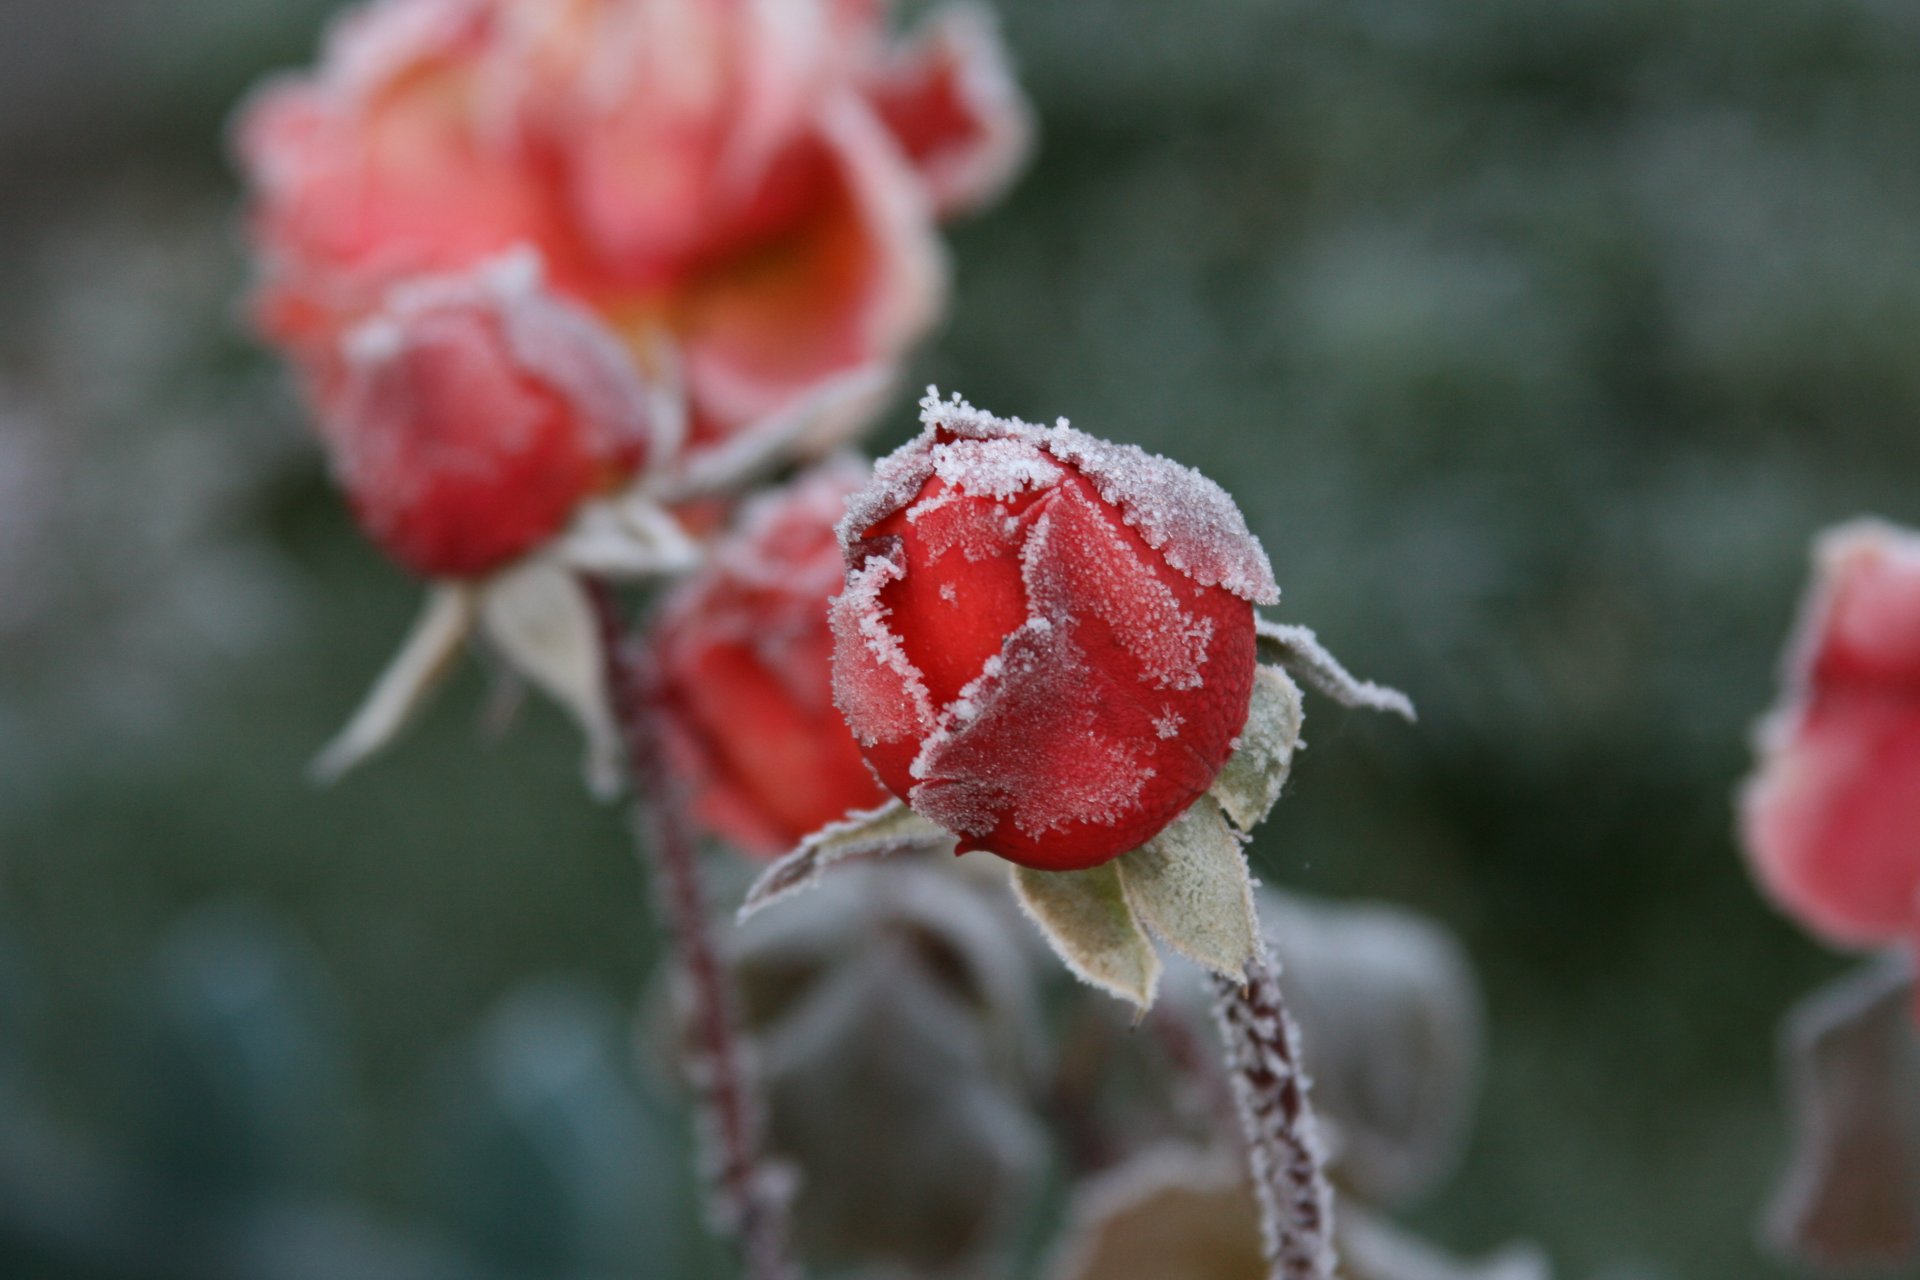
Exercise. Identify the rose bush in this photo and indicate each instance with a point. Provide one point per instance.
(1831, 818)
(742, 652)
(1046, 642)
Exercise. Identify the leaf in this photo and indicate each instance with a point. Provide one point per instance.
(1085, 917)
(1250, 782)
(1851, 1195)
(860, 836)
(401, 690)
(1190, 885)
(1168, 1212)
(540, 620)
(1300, 652)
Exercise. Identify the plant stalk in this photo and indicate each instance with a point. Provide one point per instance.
(1284, 1155)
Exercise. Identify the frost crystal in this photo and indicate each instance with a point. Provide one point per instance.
(879, 690)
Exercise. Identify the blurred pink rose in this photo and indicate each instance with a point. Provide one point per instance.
(745, 192)
(1831, 819)
(744, 654)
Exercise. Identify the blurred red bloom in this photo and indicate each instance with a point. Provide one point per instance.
(743, 653)
(743, 194)
(1831, 818)
(472, 415)
(1046, 642)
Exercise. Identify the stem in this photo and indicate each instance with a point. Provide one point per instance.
(749, 1196)
(1283, 1145)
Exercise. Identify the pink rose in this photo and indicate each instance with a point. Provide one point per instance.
(743, 193)
(1831, 819)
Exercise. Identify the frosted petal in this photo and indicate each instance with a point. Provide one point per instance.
(875, 685)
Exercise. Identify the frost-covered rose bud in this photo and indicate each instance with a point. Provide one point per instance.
(743, 651)
(1831, 819)
(1046, 642)
(471, 416)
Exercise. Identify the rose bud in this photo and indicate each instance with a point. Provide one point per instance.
(743, 654)
(1046, 642)
(1831, 819)
(471, 416)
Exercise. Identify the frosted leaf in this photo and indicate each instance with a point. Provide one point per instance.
(1022, 739)
(1075, 558)
(1851, 1196)
(1169, 1212)
(1190, 886)
(1251, 780)
(1085, 918)
(873, 833)
(876, 686)
(1300, 652)
(539, 618)
(423, 660)
(1179, 512)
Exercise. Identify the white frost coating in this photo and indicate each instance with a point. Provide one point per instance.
(993, 468)
(1179, 512)
(862, 835)
(861, 634)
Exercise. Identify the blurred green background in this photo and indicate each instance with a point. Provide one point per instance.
(1536, 338)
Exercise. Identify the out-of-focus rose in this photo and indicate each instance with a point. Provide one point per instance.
(1046, 642)
(1831, 819)
(474, 414)
(743, 652)
(745, 194)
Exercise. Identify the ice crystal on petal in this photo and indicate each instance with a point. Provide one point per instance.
(1021, 739)
(878, 689)
(1179, 512)
(1075, 555)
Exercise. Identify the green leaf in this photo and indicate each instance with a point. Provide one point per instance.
(1085, 917)
(1301, 653)
(1190, 885)
(1256, 771)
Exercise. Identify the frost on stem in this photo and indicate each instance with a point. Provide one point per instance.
(1283, 1143)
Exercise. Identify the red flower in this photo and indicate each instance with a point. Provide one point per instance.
(1831, 820)
(752, 187)
(472, 416)
(743, 651)
(1046, 642)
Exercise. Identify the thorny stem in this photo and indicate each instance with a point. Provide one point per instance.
(1283, 1145)
(749, 1195)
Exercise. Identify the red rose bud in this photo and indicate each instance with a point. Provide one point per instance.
(472, 415)
(1046, 642)
(744, 653)
(1831, 819)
